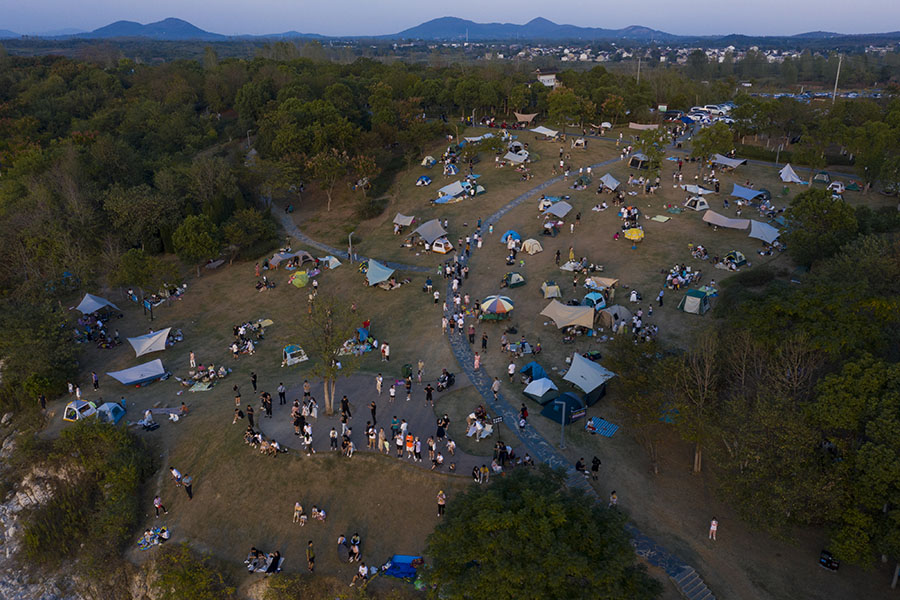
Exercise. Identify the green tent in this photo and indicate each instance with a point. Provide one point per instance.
(300, 279)
(694, 302)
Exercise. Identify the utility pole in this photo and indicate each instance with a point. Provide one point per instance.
(562, 421)
(836, 77)
(639, 71)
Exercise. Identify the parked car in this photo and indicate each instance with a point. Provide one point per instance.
(714, 110)
(673, 115)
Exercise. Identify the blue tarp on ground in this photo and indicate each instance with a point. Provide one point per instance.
(745, 193)
(401, 566)
(534, 370)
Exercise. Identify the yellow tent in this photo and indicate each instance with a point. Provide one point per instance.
(634, 234)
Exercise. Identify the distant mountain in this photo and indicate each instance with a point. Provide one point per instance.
(6, 34)
(818, 35)
(167, 29)
(452, 28)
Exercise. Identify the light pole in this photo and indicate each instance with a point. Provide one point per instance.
(562, 423)
(249, 131)
(350, 247)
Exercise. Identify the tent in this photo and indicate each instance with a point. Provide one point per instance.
(510, 233)
(453, 190)
(822, 177)
(560, 209)
(731, 163)
(572, 410)
(599, 283)
(639, 161)
(377, 272)
(532, 246)
(534, 371)
(79, 409)
(737, 257)
(423, 181)
(763, 231)
(550, 290)
(430, 231)
(152, 342)
(141, 374)
(589, 377)
(91, 304)
(330, 261)
(299, 279)
(516, 157)
(595, 300)
(282, 256)
(110, 412)
(428, 161)
(402, 566)
(697, 203)
(292, 354)
(442, 246)
(612, 314)
(403, 220)
(696, 190)
(694, 302)
(513, 280)
(714, 218)
(497, 305)
(745, 193)
(610, 182)
(541, 390)
(788, 175)
(450, 169)
(565, 316)
(544, 131)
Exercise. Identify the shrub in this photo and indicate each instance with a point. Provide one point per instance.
(185, 574)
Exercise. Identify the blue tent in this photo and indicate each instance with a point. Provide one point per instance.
(444, 200)
(594, 299)
(423, 180)
(534, 370)
(362, 334)
(574, 409)
(745, 193)
(377, 272)
(401, 566)
(511, 233)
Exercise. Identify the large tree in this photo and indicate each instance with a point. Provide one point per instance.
(327, 168)
(196, 240)
(818, 225)
(715, 139)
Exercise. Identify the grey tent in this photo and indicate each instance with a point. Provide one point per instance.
(718, 220)
(639, 161)
(377, 272)
(697, 203)
(612, 314)
(541, 390)
(516, 157)
(453, 189)
(589, 377)
(571, 408)
(560, 209)
(763, 231)
(283, 256)
(403, 220)
(91, 304)
(789, 175)
(746, 193)
(610, 182)
(430, 231)
(731, 163)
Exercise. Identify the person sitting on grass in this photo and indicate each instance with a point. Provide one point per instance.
(361, 575)
(317, 514)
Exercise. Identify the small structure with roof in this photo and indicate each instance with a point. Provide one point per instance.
(694, 302)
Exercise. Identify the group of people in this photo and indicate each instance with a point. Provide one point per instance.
(300, 516)
(245, 336)
(681, 275)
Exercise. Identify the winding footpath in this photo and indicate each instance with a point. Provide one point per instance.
(683, 575)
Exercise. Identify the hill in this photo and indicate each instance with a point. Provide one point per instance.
(167, 29)
(6, 34)
(453, 28)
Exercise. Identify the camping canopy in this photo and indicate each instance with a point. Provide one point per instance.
(480, 138)
(560, 209)
(497, 305)
(588, 376)
(510, 233)
(377, 272)
(694, 302)
(763, 231)
(572, 409)
(144, 373)
(731, 163)
(523, 118)
(564, 316)
(282, 256)
(430, 231)
(788, 175)
(599, 283)
(696, 190)
(534, 370)
(541, 390)
(551, 290)
(611, 314)
(643, 126)
(452, 189)
(544, 131)
(532, 246)
(516, 157)
(744, 192)
(610, 182)
(403, 220)
(91, 304)
(715, 218)
(152, 342)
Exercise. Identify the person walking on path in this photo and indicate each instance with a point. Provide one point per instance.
(392, 393)
(476, 363)
(495, 388)
(282, 397)
(333, 437)
(442, 502)
(713, 527)
(484, 342)
(511, 370)
(310, 557)
(193, 360)
(379, 381)
(157, 504)
(345, 407)
(253, 380)
(373, 408)
(187, 481)
(307, 388)
(429, 395)
(471, 333)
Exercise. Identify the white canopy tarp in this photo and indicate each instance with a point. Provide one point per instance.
(586, 374)
(430, 231)
(544, 131)
(610, 182)
(696, 190)
(140, 374)
(560, 209)
(731, 163)
(377, 272)
(715, 218)
(403, 220)
(516, 157)
(564, 316)
(643, 126)
(763, 231)
(480, 138)
(453, 189)
(151, 342)
(91, 304)
(788, 175)
(525, 118)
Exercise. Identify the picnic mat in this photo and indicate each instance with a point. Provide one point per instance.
(660, 219)
(601, 426)
(674, 210)
(202, 386)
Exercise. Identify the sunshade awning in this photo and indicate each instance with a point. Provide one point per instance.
(715, 218)
(377, 272)
(565, 316)
(544, 131)
(696, 190)
(430, 231)
(731, 163)
(745, 193)
(91, 303)
(453, 189)
(516, 157)
(560, 209)
(151, 342)
(610, 182)
(403, 220)
(763, 231)
(140, 374)
(586, 374)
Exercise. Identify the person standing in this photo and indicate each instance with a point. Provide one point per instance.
(333, 438)
(237, 396)
(595, 468)
(253, 380)
(495, 388)
(713, 527)
(373, 408)
(176, 476)
(310, 557)
(557, 257)
(78, 392)
(193, 360)
(95, 380)
(511, 370)
(429, 394)
(471, 333)
(307, 389)
(484, 342)
(421, 370)
(282, 397)
(476, 363)
(345, 407)
(187, 481)
(441, 502)
(659, 297)
(613, 500)
(392, 393)
(379, 381)
(157, 504)
(250, 416)
(43, 400)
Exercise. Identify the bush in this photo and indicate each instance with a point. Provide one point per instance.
(785, 156)
(185, 574)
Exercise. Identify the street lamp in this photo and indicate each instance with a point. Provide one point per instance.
(350, 247)
(562, 423)
(249, 131)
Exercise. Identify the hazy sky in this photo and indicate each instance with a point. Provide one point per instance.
(364, 17)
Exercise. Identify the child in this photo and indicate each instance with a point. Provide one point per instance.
(298, 510)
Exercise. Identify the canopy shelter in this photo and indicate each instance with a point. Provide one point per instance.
(452, 189)
(589, 377)
(510, 233)
(403, 220)
(496, 307)
(544, 131)
(639, 161)
(480, 138)
(330, 262)
(595, 300)
(377, 272)
(613, 314)
(430, 231)
(714, 218)
(745, 193)
(541, 390)
(110, 412)
(79, 409)
(697, 203)
(694, 302)
(91, 304)
(141, 374)
(513, 280)
(600, 283)
(763, 231)
(151, 342)
(731, 163)
(532, 246)
(523, 118)
(560, 209)
(696, 190)
(565, 316)
(610, 182)
(571, 409)
(789, 175)
(643, 126)
(283, 256)
(516, 157)
(533, 371)
(550, 290)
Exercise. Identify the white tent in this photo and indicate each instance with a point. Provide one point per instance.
(788, 175)
(79, 409)
(430, 231)
(428, 161)
(544, 131)
(532, 246)
(91, 304)
(377, 272)
(731, 163)
(541, 390)
(715, 218)
(588, 376)
(151, 342)
(697, 203)
(696, 190)
(516, 157)
(453, 189)
(330, 261)
(610, 182)
(763, 231)
(140, 374)
(403, 220)
(564, 316)
(560, 209)
(551, 290)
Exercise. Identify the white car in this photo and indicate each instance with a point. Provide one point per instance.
(837, 187)
(714, 110)
(698, 109)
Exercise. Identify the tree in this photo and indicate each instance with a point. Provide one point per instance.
(716, 139)
(196, 240)
(526, 535)
(138, 269)
(327, 168)
(564, 105)
(366, 170)
(330, 324)
(245, 228)
(651, 142)
(184, 574)
(613, 108)
(697, 380)
(140, 213)
(818, 225)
